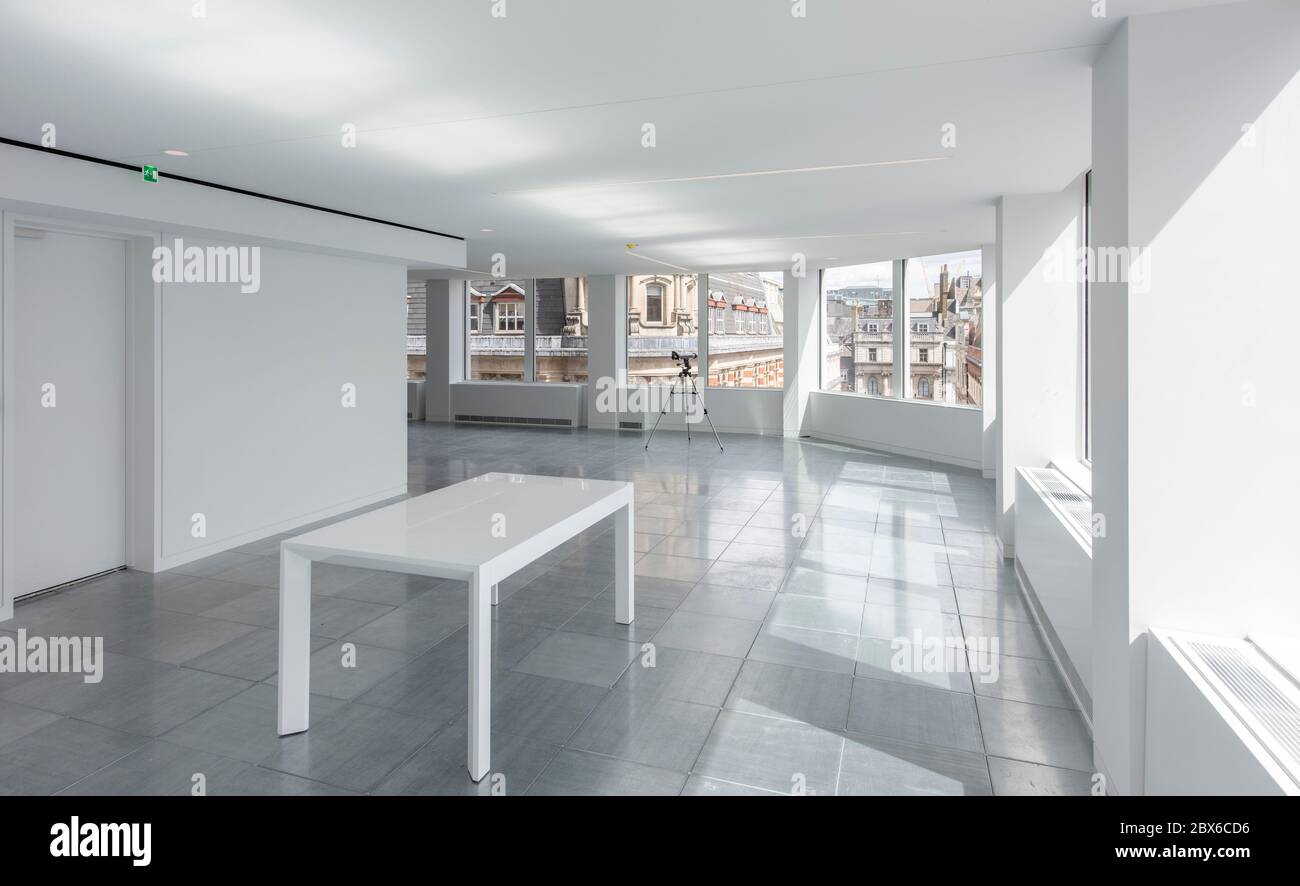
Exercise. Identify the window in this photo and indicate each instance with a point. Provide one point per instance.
(747, 348)
(857, 331)
(510, 317)
(945, 307)
(650, 343)
(1087, 320)
(654, 303)
(560, 329)
(415, 329)
(494, 323)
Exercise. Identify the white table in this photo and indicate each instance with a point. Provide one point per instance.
(481, 531)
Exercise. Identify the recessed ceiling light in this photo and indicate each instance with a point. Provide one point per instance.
(832, 258)
(485, 230)
(172, 152)
(728, 175)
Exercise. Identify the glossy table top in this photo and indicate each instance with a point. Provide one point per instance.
(468, 524)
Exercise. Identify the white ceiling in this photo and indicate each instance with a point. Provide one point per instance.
(531, 124)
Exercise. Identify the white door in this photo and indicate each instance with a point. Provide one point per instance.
(67, 463)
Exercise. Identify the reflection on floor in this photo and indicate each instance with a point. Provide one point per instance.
(776, 585)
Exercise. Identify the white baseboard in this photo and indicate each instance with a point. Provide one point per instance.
(900, 450)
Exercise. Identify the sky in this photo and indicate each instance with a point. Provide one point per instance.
(882, 273)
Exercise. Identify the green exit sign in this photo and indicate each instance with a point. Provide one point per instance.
(149, 173)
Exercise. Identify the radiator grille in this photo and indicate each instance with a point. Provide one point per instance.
(1068, 498)
(1246, 685)
(631, 425)
(515, 420)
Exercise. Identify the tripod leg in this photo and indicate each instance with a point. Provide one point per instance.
(662, 410)
(716, 438)
(686, 414)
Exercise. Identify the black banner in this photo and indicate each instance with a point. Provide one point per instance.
(214, 835)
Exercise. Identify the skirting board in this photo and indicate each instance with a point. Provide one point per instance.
(974, 464)
(164, 563)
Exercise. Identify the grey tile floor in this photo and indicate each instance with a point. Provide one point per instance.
(772, 580)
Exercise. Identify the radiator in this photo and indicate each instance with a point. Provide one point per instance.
(1054, 557)
(510, 403)
(1221, 718)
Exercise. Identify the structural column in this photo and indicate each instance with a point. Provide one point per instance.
(1195, 411)
(1038, 339)
(802, 333)
(444, 345)
(607, 347)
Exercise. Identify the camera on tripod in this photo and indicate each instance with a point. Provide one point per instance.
(680, 387)
(685, 360)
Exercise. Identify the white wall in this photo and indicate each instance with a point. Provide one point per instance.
(255, 435)
(1196, 412)
(948, 434)
(1037, 338)
(235, 399)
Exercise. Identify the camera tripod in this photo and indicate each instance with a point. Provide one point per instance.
(683, 378)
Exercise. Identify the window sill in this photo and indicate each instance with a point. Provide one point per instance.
(930, 403)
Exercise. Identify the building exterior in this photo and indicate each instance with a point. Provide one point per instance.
(745, 328)
(945, 358)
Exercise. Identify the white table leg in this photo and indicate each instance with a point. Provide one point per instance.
(624, 545)
(295, 641)
(480, 676)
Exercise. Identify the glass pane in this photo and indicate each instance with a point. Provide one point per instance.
(858, 338)
(495, 320)
(415, 329)
(945, 313)
(560, 346)
(746, 345)
(661, 318)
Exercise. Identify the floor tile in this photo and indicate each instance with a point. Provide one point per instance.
(799, 694)
(775, 755)
(355, 748)
(915, 714)
(816, 614)
(735, 602)
(874, 766)
(715, 634)
(681, 674)
(439, 768)
(575, 773)
(580, 658)
(1016, 779)
(1035, 733)
(801, 648)
(652, 730)
(59, 754)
